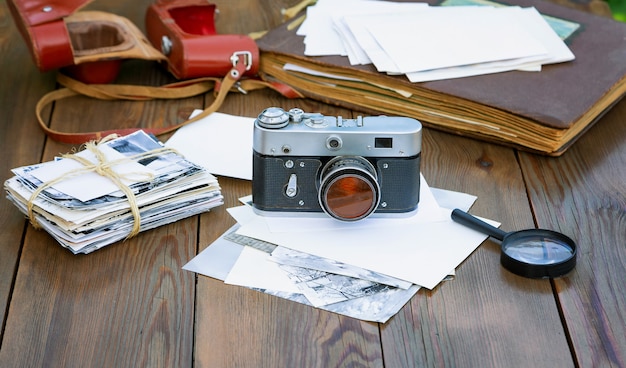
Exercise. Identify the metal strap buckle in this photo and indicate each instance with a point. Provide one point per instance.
(247, 58)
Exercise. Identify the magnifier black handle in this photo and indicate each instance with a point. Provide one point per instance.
(472, 222)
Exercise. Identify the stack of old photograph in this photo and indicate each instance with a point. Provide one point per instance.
(111, 191)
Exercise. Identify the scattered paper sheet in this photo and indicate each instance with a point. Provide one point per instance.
(323, 288)
(433, 42)
(219, 259)
(286, 256)
(321, 31)
(253, 270)
(221, 143)
(421, 253)
(450, 199)
(445, 36)
(536, 26)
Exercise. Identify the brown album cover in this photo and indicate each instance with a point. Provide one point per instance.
(542, 111)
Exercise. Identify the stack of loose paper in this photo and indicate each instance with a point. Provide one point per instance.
(366, 270)
(431, 43)
(85, 207)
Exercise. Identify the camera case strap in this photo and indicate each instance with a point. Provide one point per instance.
(182, 89)
(88, 47)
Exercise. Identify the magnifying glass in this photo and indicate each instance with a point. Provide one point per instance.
(535, 253)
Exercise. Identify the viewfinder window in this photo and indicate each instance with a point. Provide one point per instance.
(383, 142)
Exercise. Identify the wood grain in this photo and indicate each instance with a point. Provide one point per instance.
(583, 194)
(268, 331)
(468, 322)
(21, 140)
(131, 304)
(128, 305)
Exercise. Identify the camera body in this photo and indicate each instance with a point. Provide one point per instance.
(309, 164)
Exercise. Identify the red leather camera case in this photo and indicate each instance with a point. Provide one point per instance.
(184, 31)
(42, 27)
(88, 45)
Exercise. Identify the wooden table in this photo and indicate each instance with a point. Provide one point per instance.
(131, 304)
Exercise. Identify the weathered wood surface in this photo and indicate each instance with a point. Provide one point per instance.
(131, 304)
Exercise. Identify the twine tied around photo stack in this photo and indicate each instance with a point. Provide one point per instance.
(103, 167)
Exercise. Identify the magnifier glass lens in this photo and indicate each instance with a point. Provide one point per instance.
(538, 250)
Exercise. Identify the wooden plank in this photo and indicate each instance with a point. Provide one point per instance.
(131, 304)
(583, 194)
(244, 328)
(486, 316)
(21, 140)
(127, 305)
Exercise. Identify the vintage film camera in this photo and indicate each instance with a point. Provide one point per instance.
(308, 164)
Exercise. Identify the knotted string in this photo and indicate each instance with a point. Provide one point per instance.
(102, 167)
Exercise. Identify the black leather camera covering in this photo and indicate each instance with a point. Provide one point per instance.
(398, 178)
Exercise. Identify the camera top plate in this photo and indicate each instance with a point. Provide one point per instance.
(296, 133)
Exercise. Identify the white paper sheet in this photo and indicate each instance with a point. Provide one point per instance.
(219, 258)
(90, 185)
(353, 48)
(440, 38)
(536, 25)
(253, 269)
(322, 35)
(433, 43)
(221, 143)
(422, 253)
(357, 24)
(450, 199)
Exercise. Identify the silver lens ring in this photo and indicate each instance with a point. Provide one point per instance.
(349, 189)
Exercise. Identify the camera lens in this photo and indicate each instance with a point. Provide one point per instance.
(349, 188)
